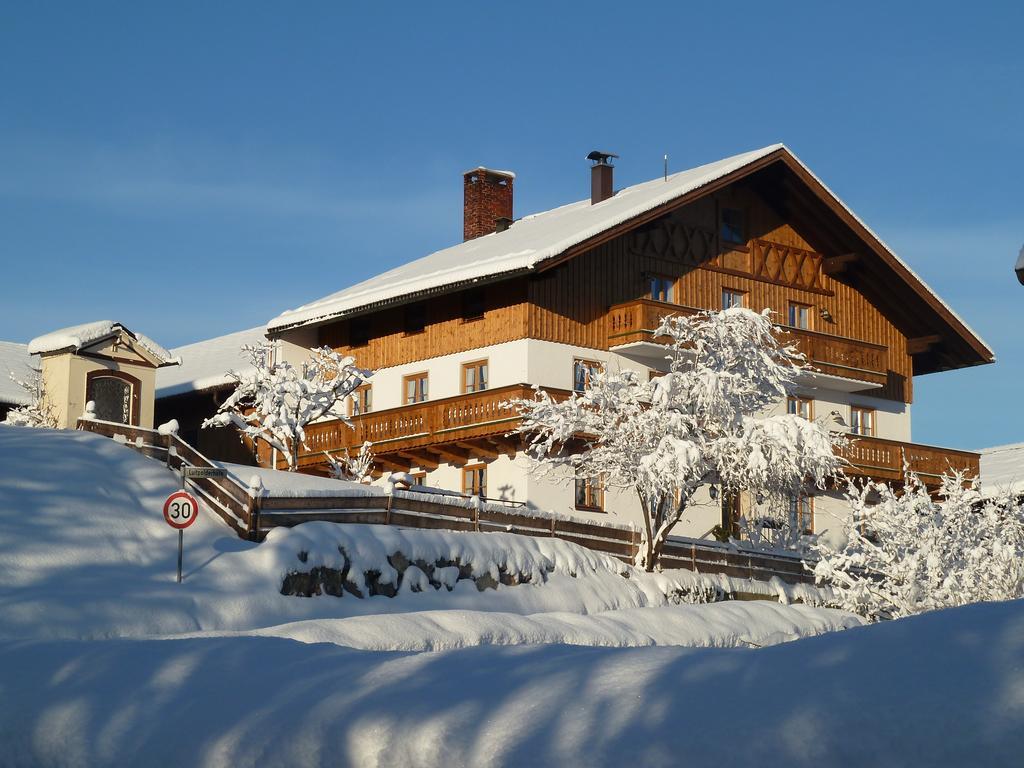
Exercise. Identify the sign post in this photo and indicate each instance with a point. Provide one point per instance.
(181, 510)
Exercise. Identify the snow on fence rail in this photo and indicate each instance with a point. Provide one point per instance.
(252, 517)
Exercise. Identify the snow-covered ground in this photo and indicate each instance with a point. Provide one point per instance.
(105, 660)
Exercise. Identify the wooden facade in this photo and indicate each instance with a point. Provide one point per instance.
(769, 232)
(577, 302)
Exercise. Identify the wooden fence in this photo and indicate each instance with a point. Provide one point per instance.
(251, 515)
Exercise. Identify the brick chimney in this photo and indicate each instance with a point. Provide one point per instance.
(601, 176)
(487, 198)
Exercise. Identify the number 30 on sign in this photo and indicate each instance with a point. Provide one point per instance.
(181, 510)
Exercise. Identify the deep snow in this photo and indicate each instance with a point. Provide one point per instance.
(104, 660)
(942, 689)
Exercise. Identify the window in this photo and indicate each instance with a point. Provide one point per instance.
(733, 298)
(589, 494)
(733, 229)
(801, 513)
(473, 304)
(474, 480)
(414, 388)
(583, 372)
(415, 318)
(359, 331)
(474, 376)
(800, 406)
(419, 478)
(663, 289)
(799, 315)
(862, 421)
(362, 400)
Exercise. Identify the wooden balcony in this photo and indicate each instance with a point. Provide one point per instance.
(883, 460)
(425, 434)
(833, 355)
(459, 429)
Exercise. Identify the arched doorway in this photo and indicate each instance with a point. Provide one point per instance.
(115, 394)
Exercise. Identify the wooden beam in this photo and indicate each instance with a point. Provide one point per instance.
(486, 451)
(834, 265)
(508, 446)
(455, 456)
(419, 458)
(922, 344)
(390, 464)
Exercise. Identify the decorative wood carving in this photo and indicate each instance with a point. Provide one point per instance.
(674, 241)
(786, 264)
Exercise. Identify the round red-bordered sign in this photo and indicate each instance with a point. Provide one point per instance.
(181, 510)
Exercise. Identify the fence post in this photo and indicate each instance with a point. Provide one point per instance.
(693, 557)
(553, 521)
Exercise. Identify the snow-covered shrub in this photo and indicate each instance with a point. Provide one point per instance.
(38, 412)
(356, 468)
(695, 425)
(907, 553)
(276, 401)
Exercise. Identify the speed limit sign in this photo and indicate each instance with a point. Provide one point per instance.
(181, 510)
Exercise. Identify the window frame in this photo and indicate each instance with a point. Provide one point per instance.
(357, 405)
(419, 478)
(810, 315)
(422, 387)
(593, 490)
(735, 292)
(797, 511)
(591, 365)
(799, 399)
(666, 280)
(478, 467)
(475, 365)
(872, 418)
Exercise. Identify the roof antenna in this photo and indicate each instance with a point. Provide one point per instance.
(666, 167)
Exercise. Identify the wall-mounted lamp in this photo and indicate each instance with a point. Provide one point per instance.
(825, 315)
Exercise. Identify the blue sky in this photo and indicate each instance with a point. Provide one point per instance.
(237, 160)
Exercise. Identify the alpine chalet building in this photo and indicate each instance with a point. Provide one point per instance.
(549, 298)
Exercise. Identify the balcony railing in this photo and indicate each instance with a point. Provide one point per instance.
(882, 459)
(834, 355)
(481, 415)
(434, 422)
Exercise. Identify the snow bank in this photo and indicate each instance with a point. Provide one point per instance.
(86, 554)
(942, 689)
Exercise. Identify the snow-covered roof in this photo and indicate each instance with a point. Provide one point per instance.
(205, 364)
(14, 358)
(528, 242)
(76, 337)
(542, 236)
(1002, 469)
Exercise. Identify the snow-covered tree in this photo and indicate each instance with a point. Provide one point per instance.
(38, 412)
(701, 423)
(276, 401)
(356, 468)
(906, 552)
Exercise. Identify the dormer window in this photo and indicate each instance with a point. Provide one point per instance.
(733, 229)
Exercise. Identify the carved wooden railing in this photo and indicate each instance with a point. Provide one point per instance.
(882, 459)
(834, 355)
(448, 420)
